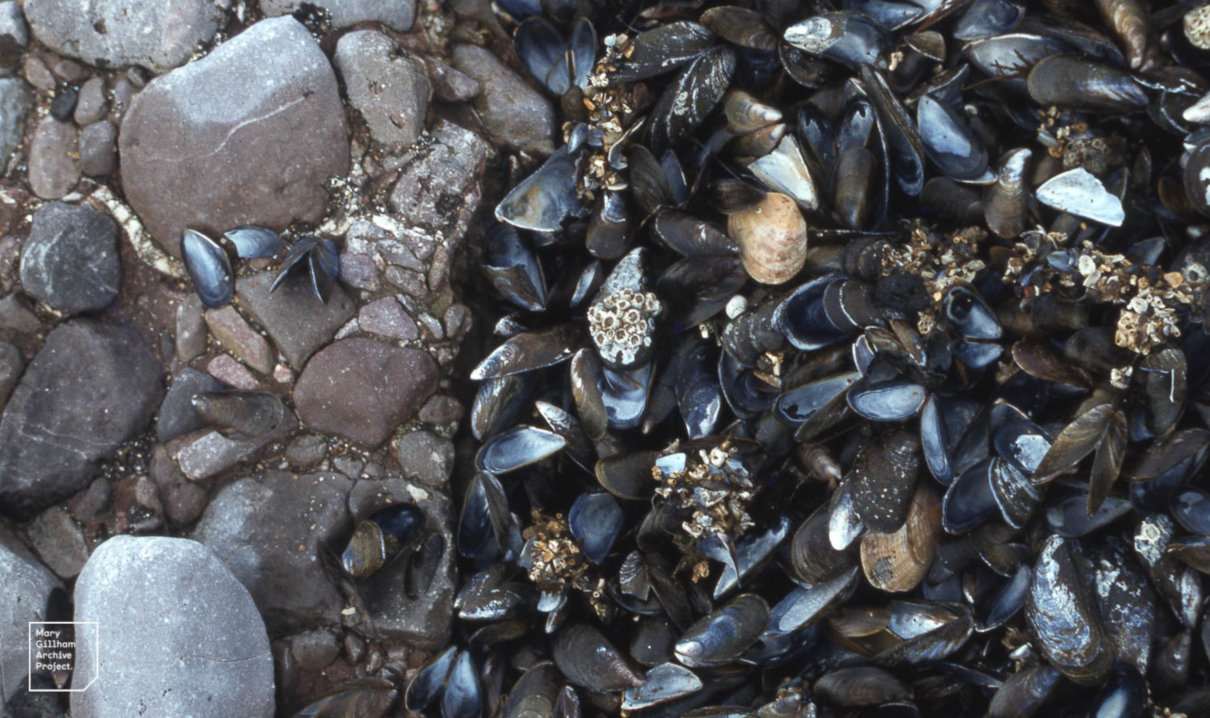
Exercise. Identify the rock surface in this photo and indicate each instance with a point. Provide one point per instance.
(390, 89)
(298, 323)
(157, 35)
(386, 317)
(54, 165)
(91, 387)
(27, 587)
(268, 531)
(179, 635)
(397, 14)
(201, 150)
(361, 389)
(14, 106)
(438, 188)
(513, 113)
(70, 260)
(99, 149)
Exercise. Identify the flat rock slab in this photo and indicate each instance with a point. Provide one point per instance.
(91, 387)
(269, 530)
(27, 587)
(249, 134)
(397, 14)
(361, 389)
(297, 322)
(70, 260)
(179, 634)
(157, 35)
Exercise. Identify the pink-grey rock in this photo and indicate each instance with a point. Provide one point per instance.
(397, 14)
(111, 33)
(361, 389)
(54, 167)
(99, 149)
(227, 368)
(249, 134)
(451, 85)
(190, 329)
(386, 317)
(204, 654)
(389, 88)
(59, 541)
(183, 500)
(70, 260)
(91, 387)
(235, 335)
(296, 321)
(91, 105)
(514, 113)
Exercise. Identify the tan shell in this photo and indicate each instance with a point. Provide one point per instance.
(772, 238)
(897, 562)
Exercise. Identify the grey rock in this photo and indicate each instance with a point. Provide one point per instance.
(183, 500)
(90, 106)
(296, 321)
(441, 409)
(235, 335)
(437, 193)
(107, 33)
(17, 317)
(68, 70)
(451, 85)
(54, 168)
(269, 530)
(14, 106)
(99, 149)
(36, 73)
(314, 650)
(14, 35)
(11, 366)
(91, 387)
(361, 389)
(254, 151)
(359, 271)
(70, 260)
(386, 317)
(306, 451)
(514, 114)
(418, 608)
(190, 329)
(27, 587)
(90, 502)
(227, 368)
(397, 14)
(177, 415)
(123, 94)
(209, 453)
(390, 89)
(179, 635)
(425, 457)
(57, 538)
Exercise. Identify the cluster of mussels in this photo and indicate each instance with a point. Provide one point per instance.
(851, 361)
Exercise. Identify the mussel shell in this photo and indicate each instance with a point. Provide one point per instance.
(802, 607)
(535, 693)
(1126, 600)
(1191, 509)
(252, 242)
(529, 351)
(484, 521)
(692, 96)
(1011, 55)
(740, 26)
(897, 562)
(665, 48)
(1073, 82)
(595, 522)
(812, 557)
(848, 38)
(587, 659)
(986, 18)
(949, 141)
(801, 318)
(209, 267)
(1196, 176)
(724, 635)
(785, 170)
(691, 237)
(884, 479)
(542, 201)
(366, 551)
(860, 687)
(969, 501)
(543, 52)
(1061, 612)
(1070, 517)
(1024, 692)
(500, 403)
(430, 681)
(906, 151)
(513, 269)
(517, 448)
(463, 697)
(663, 683)
(1007, 602)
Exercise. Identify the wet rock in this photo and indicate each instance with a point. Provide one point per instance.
(54, 168)
(11, 366)
(234, 333)
(90, 105)
(157, 35)
(27, 587)
(438, 192)
(14, 106)
(426, 458)
(417, 610)
(190, 329)
(306, 451)
(183, 500)
(205, 654)
(361, 389)
(91, 387)
(514, 114)
(269, 530)
(177, 415)
(451, 85)
(397, 14)
(99, 149)
(257, 151)
(386, 317)
(14, 35)
(59, 541)
(227, 368)
(70, 260)
(297, 322)
(390, 89)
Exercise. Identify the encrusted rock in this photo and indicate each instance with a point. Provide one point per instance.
(269, 530)
(157, 35)
(297, 322)
(179, 635)
(70, 260)
(54, 167)
(249, 134)
(389, 88)
(514, 114)
(361, 389)
(91, 387)
(397, 14)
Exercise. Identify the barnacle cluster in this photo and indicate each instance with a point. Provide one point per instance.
(712, 485)
(556, 559)
(622, 323)
(609, 109)
(939, 262)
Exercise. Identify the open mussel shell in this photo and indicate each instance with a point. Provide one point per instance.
(587, 659)
(722, 636)
(209, 267)
(1080, 193)
(513, 269)
(1061, 612)
(252, 242)
(318, 259)
(545, 199)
